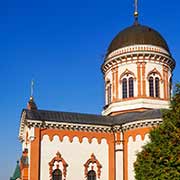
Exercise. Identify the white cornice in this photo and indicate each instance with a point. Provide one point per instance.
(124, 56)
(68, 126)
(141, 123)
(136, 104)
(22, 125)
(144, 47)
(84, 127)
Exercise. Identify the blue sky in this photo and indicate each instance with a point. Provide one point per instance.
(60, 44)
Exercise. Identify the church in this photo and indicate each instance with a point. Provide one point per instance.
(137, 71)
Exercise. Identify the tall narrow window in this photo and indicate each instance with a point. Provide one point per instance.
(151, 87)
(157, 87)
(108, 93)
(127, 87)
(57, 174)
(124, 88)
(91, 175)
(131, 87)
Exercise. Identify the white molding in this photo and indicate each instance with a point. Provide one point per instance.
(136, 48)
(22, 125)
(68, 126)
(136, 104)
(141, 123)
(126, 55)
(92, 128)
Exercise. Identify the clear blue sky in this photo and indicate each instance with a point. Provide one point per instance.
(60, 44)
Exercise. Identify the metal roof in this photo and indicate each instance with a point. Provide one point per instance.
(17, 172)
(92, 119)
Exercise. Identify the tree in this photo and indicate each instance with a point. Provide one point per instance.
(160, 158)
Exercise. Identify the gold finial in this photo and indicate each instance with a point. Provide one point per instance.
(136, 10)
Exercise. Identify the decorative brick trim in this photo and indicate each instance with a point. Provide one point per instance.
(126, 72)
(58, 158)
(155, 71)
(92, 160)
(141, 123)
(68, 126)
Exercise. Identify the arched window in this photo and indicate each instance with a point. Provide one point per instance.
(91, 175)
(127, 83)
(90, 163)
(108, 92)
(154, 87)
(109, 89)
(127, 87)
(151, 87)
(57, 174)
(131, 87)
(157, 87)
(124, 88)
(58, 161)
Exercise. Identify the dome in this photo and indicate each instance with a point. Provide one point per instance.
(137, 35)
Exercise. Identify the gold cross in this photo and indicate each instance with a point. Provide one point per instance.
(136, 9)
(32, 88)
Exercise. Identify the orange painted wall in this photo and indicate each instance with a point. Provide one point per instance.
(127, 134)
(35, 145)
(24, 173)
(34, 157)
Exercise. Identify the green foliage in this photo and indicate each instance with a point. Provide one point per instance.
(160, 158)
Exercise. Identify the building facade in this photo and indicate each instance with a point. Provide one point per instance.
(137, 72)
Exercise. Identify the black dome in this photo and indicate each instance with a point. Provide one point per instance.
(137, 34)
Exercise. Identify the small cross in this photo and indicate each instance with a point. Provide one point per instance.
(136, 9)
(32, 88)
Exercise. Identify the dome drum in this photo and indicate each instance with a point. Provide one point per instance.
(141, 56)
(137, 71)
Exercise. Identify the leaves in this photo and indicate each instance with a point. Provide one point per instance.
(160, 158)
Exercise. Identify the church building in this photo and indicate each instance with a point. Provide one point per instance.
(137, 71)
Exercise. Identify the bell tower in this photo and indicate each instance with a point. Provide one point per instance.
(137, 70)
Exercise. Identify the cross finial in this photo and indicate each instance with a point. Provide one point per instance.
(31, 104)
(136, 10)
(32, 88)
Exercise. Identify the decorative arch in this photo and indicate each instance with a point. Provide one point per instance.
(132, 134)
(93, 160)
(58, 158)
(154, 71)
(127, 84)
(154, 77)
(80, 134)
(126, 73)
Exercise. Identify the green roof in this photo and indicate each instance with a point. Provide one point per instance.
(17, 172)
